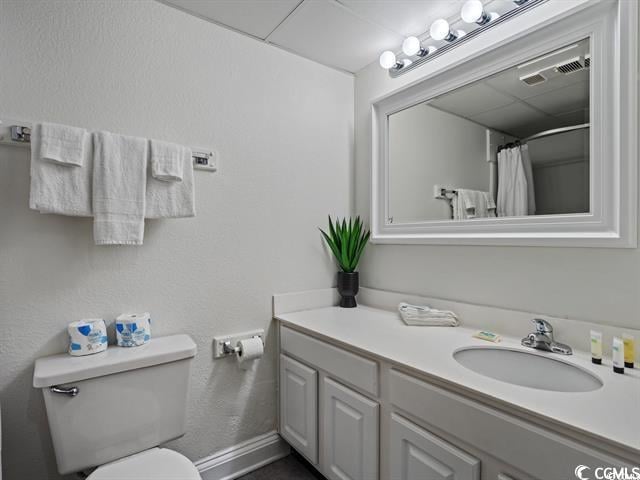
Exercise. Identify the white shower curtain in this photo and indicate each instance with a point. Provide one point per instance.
(516, 196)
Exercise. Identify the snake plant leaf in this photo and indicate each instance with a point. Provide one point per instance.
(346, 240)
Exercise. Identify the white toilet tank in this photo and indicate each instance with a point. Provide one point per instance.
(128, 400)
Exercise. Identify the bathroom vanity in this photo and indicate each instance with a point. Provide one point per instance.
(362, 397)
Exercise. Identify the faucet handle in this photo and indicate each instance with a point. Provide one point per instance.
(542, 326)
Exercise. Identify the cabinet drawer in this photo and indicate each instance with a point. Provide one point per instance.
(418, 454)
(299, 407)
(507, 438)
(359, 372)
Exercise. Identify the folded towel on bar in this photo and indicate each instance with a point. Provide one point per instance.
(172, 199)
(61, 170)
(119, 188)
(166, 160)
(427, 316)
(474, 204)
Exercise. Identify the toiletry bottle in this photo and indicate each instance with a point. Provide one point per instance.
(596, 347)
(618, 355)
(629, 350)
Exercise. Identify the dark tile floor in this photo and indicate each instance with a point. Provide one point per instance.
(292, 467)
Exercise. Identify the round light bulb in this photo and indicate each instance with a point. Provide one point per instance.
(472, 11)
(411, 46)
(439, 29)
(388, 59)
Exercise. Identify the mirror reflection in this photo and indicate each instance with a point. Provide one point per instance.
(509, 145)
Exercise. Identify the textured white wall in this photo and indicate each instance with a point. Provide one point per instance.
(283, 128)
(599, 285)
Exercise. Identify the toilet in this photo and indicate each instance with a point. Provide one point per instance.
(110, 411)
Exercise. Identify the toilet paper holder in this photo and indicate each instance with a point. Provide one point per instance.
(228, 349)
(226, 345)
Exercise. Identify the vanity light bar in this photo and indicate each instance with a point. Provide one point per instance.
(472, 12)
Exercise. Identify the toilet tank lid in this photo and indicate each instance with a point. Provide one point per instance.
(64, 368)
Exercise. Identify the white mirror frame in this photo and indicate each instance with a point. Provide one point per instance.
(612, 27)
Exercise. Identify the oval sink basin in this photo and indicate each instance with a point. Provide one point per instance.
(527, 369)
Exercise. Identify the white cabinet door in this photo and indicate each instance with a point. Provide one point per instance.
(417, 454)
(299, 407)
(350, 434)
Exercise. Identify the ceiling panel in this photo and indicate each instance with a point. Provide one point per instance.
(509, 118)
(563, 100)
(329, 33)
(472, 100)
(406, 17)
(255, 17)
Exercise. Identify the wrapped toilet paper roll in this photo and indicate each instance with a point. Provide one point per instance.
(87, 336)
(249, 349)
(133, 329)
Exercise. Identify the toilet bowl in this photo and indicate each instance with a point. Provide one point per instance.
(110, 412)
(157, 464)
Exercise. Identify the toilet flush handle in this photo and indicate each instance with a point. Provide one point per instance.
(71, 391)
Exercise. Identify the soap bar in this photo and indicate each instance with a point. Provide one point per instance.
(488, 336)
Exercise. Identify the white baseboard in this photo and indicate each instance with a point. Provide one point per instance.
(243, 458)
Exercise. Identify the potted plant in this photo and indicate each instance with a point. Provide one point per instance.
(347, 242)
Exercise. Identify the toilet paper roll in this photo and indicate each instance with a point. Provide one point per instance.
(249, 349)
(87, 336)
(133, 329)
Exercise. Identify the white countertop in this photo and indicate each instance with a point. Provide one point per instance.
(611, 413)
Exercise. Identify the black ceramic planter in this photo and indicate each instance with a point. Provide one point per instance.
(348, 284)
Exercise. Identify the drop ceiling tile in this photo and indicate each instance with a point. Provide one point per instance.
(471, 100)
(255, 17)
(406, 17)
(574, 118)
(568, 99)
(513, 118)
(328, 32)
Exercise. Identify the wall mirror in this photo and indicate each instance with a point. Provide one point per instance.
(520, 144)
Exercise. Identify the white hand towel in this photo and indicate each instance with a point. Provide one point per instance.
(119, 187)
(62, 144)
(426, 316)
(166, 161)
(172, 199)
(477, 204)
(61, 170)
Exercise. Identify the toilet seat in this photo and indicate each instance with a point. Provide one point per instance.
(154, 464)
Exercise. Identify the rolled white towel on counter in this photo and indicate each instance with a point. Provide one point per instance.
(87, 337)
(133, 329)
(426, 316)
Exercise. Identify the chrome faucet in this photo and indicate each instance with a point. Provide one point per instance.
(542, 339)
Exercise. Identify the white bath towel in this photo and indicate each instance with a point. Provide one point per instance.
(424, 315)
(119, 187)
(473, 204)
(166, 160)
(172, 199)
(61, 170)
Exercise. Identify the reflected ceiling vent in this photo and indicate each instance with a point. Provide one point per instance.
(535, 79)
(573, 65)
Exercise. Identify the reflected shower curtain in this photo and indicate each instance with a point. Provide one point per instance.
(516, 196)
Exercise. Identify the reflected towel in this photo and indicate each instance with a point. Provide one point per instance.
(473, 204)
